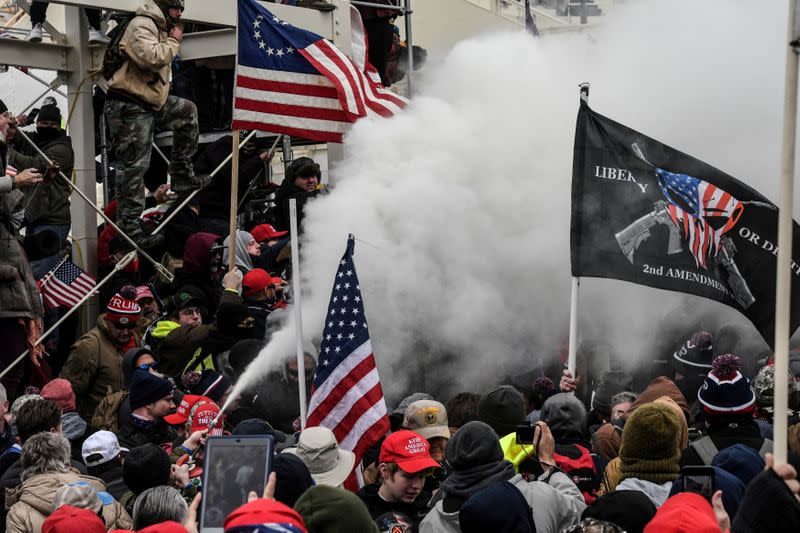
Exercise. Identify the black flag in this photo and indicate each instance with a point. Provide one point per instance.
(646, 213)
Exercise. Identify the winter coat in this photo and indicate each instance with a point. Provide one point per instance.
(130, 434)
(108, 411)
(725, 432)
(195, 274)
(555, 500)
(32, 502)
(48, 202)
(658, 493)
(178, 345)
(94, 367)
(274, 399)
(377, 506)
(18, 295)
(286, 192)
(144, 77)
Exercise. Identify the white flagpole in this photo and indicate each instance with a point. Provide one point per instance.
(576, 283)
(783, 289)
(298, 315)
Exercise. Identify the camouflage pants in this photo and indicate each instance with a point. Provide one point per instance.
(131, 129)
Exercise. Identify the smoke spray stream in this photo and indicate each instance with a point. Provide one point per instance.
(461, 204)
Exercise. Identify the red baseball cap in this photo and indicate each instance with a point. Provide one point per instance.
(181, 416)
(202, 415)
(257, 280)
(266, 512)
(265, 232)
(409, 450)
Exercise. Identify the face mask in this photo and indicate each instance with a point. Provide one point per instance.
(45, 134)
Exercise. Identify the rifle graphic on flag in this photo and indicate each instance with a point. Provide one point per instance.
(649, 214)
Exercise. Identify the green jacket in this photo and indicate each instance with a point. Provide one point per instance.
(48, 202)
(179, 344)
(94, 367)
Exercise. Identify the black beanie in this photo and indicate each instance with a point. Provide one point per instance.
(293, 478)
(146, 467)
(502, 408)
(611, 383)
(629, 509)
(768, 505)
(235, 320)
(243, 353)
(474, 444)
(49, 113)
(147, 388)
(3, 106)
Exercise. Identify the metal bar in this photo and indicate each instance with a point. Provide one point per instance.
(298, 314)
(165, 158)
(158, 266)
(119, 266)
(287, 153)
(104, 157)
(268, 164)
(43, 82)
(410, 48)
(194, 193)
(30, 105)
(234, 198)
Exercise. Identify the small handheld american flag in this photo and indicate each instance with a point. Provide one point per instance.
(66, 285)
(347, 396)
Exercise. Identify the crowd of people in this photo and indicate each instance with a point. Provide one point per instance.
(107, 431)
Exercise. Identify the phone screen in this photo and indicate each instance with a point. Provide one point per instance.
(699, 484)
(232, 467)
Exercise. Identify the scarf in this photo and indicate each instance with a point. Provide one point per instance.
(462, 484)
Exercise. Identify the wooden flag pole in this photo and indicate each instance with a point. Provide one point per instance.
(234, 201)
(783, 286)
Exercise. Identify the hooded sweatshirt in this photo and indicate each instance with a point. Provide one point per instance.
(243, 259)
(195, 274)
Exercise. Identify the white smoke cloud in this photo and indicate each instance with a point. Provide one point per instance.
(463, 201)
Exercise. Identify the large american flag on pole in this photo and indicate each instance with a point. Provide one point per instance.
(347, 396)
(66, 285)
(295, 82)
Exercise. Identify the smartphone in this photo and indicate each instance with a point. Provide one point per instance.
(698, 479)
(232, 467)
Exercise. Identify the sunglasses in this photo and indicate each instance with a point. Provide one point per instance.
(124, 326)
(148, 366)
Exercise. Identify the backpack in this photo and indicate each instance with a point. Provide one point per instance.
(707, 450)
(578, 464)
(106, 415)
(114, 58)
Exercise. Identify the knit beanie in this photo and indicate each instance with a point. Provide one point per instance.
(740, 460)
(629, 509)
(69, 519)
(49, 113)
(147, 388)
(768, 505)
(502, 408)
(694, 355)
(334, 510)
(725, 390)
(293, 478)
(60, 392)
(122, 307)
(649, 449)
(686, 512)
(146, 467)
(474, 444)
(264, 515)
(611, 383)
(243, 353)
(499, 507)
(732, 489)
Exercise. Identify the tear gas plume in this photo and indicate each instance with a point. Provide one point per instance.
(461, 204)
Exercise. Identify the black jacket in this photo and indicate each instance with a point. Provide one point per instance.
(131, 435)
(378, 507)
(726, 432)
(286, 192)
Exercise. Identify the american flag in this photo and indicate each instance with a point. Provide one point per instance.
(292, 81)
(66, 285)
(692, 202)
(347, 396)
